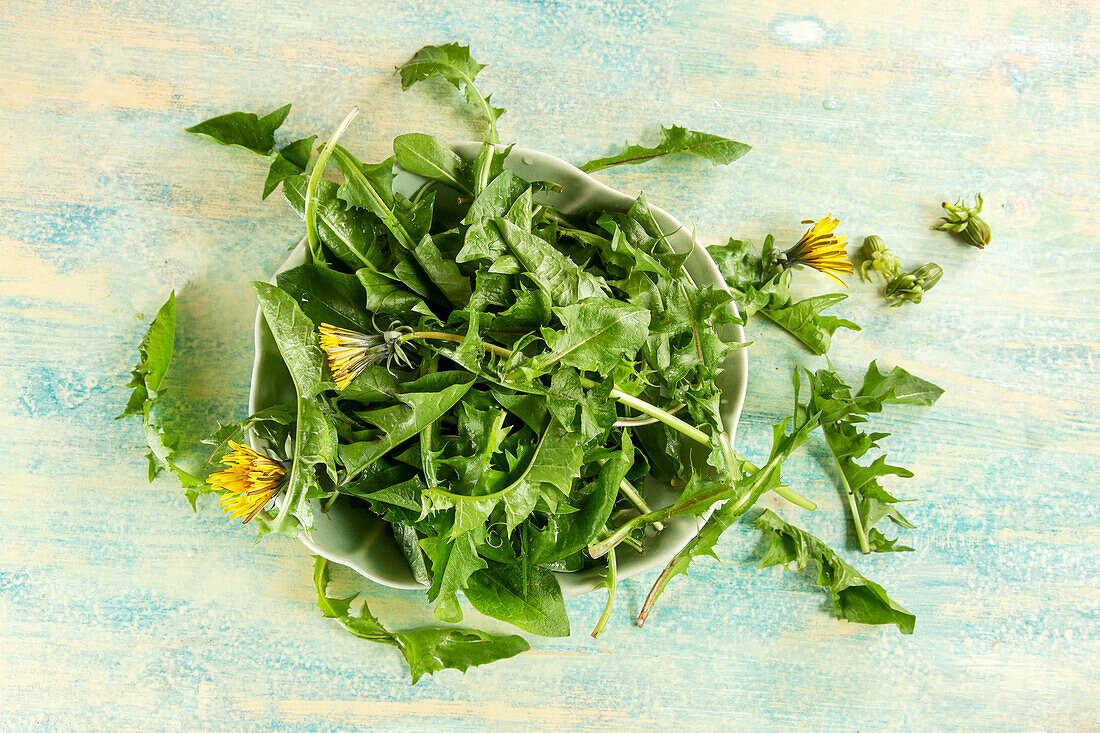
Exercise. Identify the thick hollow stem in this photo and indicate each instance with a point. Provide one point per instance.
(601, 548)
(486, 164)
(315, 180)
(635, 497)
(642, 422)
(653, 411)
(796, 498)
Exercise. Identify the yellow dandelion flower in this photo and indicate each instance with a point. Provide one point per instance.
(350, 352)
(250, 481)
(822, 250)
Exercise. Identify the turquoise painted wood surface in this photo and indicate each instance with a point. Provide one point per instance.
(121, 610)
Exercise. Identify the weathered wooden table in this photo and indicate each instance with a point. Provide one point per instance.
(121, 610)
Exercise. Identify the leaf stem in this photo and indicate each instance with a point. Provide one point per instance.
(315, 180)
(601, 548)
(485, 166)
(383, 210)
(641, 422)
(655, 591)
(609, 580)
(634, 497)
(280, 517)
(493, 136)
(796, 498)
(653, 411)
(864, 547)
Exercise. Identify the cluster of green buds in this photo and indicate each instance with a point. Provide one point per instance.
(964, 221)
(876, 258)
(910, 287)
(901, 287)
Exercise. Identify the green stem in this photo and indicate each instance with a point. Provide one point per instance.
(484, 103)
(627, 489)
(610, 605)
(384, 211)
(315, 180)
(601, 548)
(289, 498)
(634, 497)
(699, 436)
(653, 411)
(453, 338)
(427, 458)
(864, 547)
(796, 498)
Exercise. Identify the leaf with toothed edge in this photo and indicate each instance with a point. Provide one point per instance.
(855, 598)
(675, 140)
(426, 650)
(154, 357)
(291, 160)
(453, 63)
(243, 130)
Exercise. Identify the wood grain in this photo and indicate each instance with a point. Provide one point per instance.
(119, 610)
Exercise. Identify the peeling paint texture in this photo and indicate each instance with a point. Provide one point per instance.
(120, 610)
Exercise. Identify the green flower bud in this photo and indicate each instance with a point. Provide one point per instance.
(964, 221)
(977, 232)
(910, 287)
(928, 275)
(873, 244)
(876, 257)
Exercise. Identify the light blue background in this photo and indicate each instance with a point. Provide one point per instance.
(119, 609)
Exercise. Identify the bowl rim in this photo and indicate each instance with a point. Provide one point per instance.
(732, 400)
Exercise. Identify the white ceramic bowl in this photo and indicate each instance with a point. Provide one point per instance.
(349, 534)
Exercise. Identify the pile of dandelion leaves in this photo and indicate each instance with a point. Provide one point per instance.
(499, 382)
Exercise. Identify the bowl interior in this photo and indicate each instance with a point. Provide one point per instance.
(351, 535)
